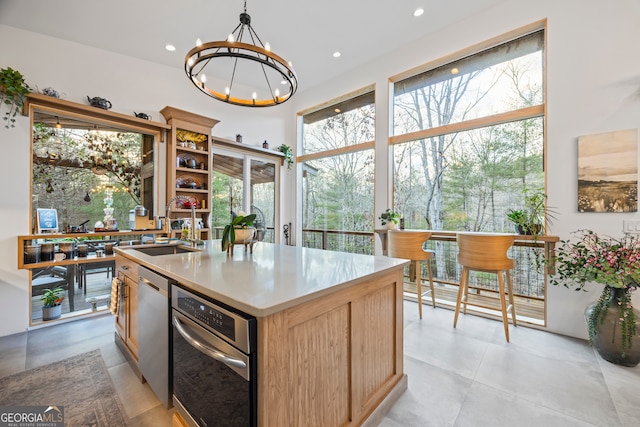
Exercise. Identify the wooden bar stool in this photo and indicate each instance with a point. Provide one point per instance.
(408, 244)
(487, 253)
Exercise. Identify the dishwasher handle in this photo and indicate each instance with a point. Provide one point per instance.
(209, 351)
(148, 282)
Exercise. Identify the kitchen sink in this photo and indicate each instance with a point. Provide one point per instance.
(166, 250)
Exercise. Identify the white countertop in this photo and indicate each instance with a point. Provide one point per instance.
(273, 278)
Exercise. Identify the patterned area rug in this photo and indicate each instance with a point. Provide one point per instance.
(81, 384)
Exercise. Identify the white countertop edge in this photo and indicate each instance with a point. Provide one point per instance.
(163, 263)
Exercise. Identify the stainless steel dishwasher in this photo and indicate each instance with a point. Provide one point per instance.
(154, 341)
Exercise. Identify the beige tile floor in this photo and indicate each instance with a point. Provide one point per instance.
(467, 376)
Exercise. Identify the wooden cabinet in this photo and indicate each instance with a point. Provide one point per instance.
(115, 236)
(334, 360)
(189, 167)
(127, 315)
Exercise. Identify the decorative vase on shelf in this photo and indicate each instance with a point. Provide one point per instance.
(615, 340)
(391, 225)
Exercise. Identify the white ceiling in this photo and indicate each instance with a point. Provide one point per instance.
(303, 32)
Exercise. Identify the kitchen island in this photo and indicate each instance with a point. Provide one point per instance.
(330, 347)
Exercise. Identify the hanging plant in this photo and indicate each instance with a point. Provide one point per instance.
(288, 154)
(13, 93)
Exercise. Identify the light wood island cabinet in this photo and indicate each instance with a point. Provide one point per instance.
(334, 360)
(127, 330)
(329, 327)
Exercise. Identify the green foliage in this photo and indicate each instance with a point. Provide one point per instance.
(13, 93)
(52, 297)
(598, 314)
(288, 154)
(229, 234)
(531, 219)
(65, 170)
(389, 215)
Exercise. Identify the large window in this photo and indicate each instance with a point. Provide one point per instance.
(468, 138)
(337, 169)
(89, 175)
(243, 183)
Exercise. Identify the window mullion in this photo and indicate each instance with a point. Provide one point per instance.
(496, 119)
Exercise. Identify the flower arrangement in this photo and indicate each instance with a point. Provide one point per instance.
(593, 258)
(612, 262)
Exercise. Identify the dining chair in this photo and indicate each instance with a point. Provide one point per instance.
(409, 244)
(486, 253)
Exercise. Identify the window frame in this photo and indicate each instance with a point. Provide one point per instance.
(496, 119)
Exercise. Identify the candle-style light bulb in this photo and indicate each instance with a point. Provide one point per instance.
(198, 42)
(203, 78)
(230, 39)
(267, 46)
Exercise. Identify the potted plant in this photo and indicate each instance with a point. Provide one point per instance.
(390, 218)
(239, 229)
(522, 223)
(531, 219)
(614, 263)
(13, 92)
(288, 154)
(52, 300)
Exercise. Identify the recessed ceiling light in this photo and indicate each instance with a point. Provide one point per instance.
(418, 12)
(170, 47)
(454, 71)
(337, 110)
(336, 54)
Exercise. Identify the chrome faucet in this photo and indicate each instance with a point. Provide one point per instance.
(192, 238)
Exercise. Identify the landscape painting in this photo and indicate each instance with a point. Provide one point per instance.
(608, 172)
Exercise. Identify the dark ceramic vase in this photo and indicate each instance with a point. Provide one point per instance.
(608, 337)
(529, 230)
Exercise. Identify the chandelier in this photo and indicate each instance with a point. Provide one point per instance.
(241, 69)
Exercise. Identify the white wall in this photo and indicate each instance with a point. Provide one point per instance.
(78, 71)
(593, 87)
